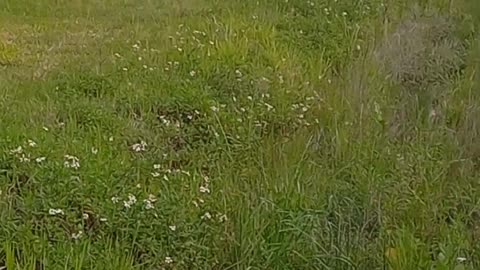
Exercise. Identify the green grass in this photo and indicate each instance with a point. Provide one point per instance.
(239, 134)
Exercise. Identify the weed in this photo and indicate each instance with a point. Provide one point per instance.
(238, 135)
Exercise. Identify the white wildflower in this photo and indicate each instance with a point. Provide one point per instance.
(132, 198)
(214, 108)
(110, 139)
(155, 174)
(148, 204)
(204, 189)
(172, 228)
(192, 73)
(115, 199)
(24, 158)
(131, 201)
(32, 143)
(152, 198)
(222, 218)
(207, 215)
(117, 55)
(125, 69)
(103, 219)
(165, 177)
(157, 166)
(71, 162)
(40, 159)
(164, 120)
(461, 259)
(168, 260)
(45, 128)
(76, 236)
(54, 212)
(94, 150)
(17, 150)
(85, 216)
(269, 107)
(139, 147)
(136, 46)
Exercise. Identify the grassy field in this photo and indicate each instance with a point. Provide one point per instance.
(237, 134)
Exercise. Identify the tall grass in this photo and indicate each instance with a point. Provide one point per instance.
(239, 135)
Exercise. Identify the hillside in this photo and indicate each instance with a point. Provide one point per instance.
(234, 134)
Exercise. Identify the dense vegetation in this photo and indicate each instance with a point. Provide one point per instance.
(236, 134)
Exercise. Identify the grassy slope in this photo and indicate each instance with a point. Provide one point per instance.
(270, 122)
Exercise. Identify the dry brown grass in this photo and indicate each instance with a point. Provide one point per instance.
(423, 52)
(422, 57)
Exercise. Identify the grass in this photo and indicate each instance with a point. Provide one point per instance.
(204, 134)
